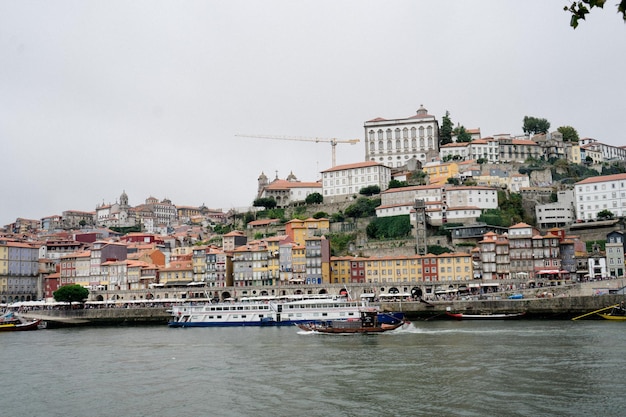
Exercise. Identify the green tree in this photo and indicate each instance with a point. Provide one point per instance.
(569, 134)
(605, 215)
(314, 198)
(613, 169)
(222, 229)
(337, 217)
(534, 125)
(126, 230)
(267, 203)
(453, 181)
(445, 131)
(370, 190)
(461, 134)
(398, 184)
(320, 215)
(71, 293)
(581, 8)
(363, 207)
(248, 217)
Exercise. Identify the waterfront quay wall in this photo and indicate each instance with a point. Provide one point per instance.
(561, 307)
(101, 316)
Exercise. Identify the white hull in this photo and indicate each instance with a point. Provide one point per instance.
(270, 313)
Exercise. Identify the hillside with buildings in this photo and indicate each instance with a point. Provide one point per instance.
(418, 213)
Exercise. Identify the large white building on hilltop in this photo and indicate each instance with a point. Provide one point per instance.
(595, 194)
(393, 142)
(344, 181)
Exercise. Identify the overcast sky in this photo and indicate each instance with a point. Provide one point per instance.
(98, 97)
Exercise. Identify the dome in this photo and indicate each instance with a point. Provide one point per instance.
(292, 177)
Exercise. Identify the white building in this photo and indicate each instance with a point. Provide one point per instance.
(344, 181)
(596, 265)
(394, 141)
(557, 214)
(591, 151)
(595, 194)
(408, 195)
(608, 152)
(486, 148)
(615, 254)
(456, 151)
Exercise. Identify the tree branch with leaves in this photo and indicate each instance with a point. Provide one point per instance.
(580, 9)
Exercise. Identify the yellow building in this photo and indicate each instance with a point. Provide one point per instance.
(273, 257)
(575, 156)
(177, 273)
(298, 259)
(438, 173)
(415, 269)
(199, 263)
(301, 230)
(393, 269)
(454, 267)
(4, 268)
(340, 269)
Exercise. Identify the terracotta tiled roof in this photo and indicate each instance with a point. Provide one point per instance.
(354, 166)
(263, 222)
(285, 185)
(603, 178)
(523, 142)
(412, 188)
(520, 226)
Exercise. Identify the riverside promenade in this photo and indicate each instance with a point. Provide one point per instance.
(560, 302)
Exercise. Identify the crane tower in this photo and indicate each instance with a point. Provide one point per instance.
(333, 141)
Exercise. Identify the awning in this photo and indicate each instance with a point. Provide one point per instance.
(395, 295)
(490, 284)
(548, 271)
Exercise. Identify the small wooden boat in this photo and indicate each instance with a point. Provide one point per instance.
(486, 316)
(22, 326)
(612, 317)
(617, 313)
(367, 324)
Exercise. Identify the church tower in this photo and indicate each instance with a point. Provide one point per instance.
(263, 182)
(124, 200)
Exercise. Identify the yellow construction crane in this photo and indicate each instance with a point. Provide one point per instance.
(333, 141)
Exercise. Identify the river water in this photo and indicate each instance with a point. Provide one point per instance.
(437, 368)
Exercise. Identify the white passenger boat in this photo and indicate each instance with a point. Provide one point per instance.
(271, 312)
